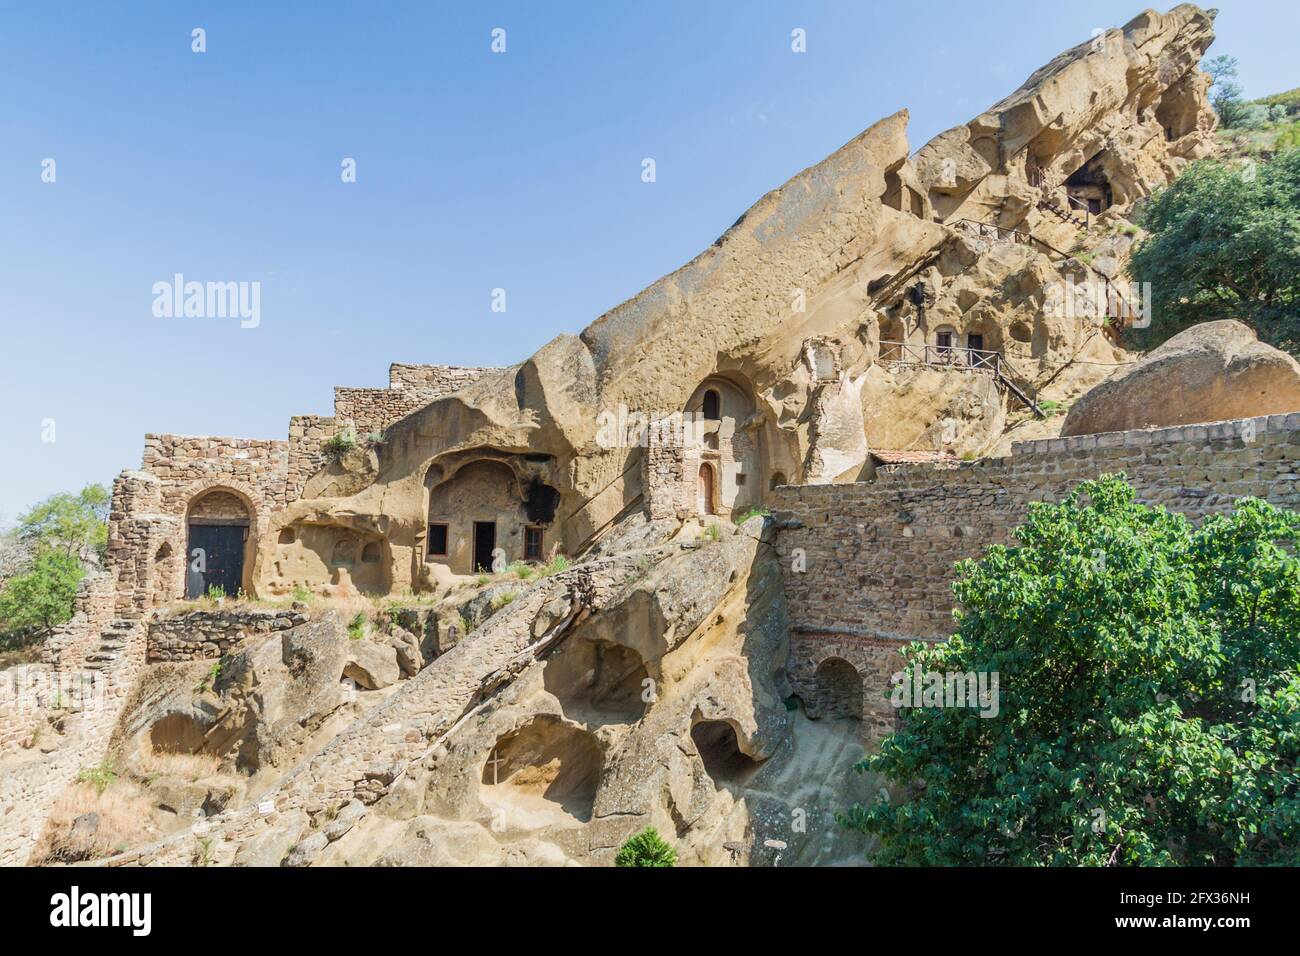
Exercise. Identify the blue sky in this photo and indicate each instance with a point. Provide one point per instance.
(475, 171)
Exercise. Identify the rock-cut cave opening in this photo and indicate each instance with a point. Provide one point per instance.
(546, 760)
(724, 761)
(598, 681)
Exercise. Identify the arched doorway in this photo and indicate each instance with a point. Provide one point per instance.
(839, 690)
(217, 526)
(706, 499)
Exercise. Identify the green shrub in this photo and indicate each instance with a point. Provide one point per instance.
(358, 626)
(521, 569)
(501, 600)
(646, 848)
(751, 513)
(554, 566)
(41, 598)
(343, 441)
(1222, 243)
(1289, 138)
(1146, 709)
(100, 777)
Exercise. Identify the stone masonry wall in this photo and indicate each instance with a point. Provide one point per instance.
(410, 388)
(78, 708)
(308, 435)
(188, 464)
(374, 409)
(878, 556)
(441, 380)
(208, 635)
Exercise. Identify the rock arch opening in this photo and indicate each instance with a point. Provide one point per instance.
(838, 690)
(1088, 188)
(545, 769)
(176, 734)
(719, 749)
(597, 681)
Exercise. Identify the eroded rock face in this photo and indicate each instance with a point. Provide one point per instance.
(653, 695)
(646, 685)
(255, 712)
(1211, 372)
(870, 250)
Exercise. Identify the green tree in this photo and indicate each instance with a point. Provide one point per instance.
(39, 599)
(1149, 705)
(646, 848)
(1225, 94)
(1224, 243)
(67, 522)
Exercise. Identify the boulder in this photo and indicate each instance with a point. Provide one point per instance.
(306, 851)
(429, 841)
(407, 646)
(272, 842)
(1212, 372)
(373, 666)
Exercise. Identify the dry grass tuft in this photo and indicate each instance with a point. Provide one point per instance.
(191, 767)
(86, 824)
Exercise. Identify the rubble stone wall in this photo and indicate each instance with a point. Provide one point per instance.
(440, 380)
(877, 557)
(209, 635)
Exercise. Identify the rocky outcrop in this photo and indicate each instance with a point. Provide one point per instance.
(1211, 372)
(965, 241)
(655, 695)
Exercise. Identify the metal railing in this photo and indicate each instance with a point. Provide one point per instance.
(949, 356)
(946, 356)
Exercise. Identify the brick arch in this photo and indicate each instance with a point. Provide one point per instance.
(252, 499)
(852, 653)
(875, 659)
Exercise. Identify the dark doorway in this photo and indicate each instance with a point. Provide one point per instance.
(485, 542)
(975, 342)
(220, 561)
(712, 406)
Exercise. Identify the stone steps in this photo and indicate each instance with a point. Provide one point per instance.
(113, 641)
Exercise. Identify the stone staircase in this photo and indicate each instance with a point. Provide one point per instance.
(112, 643)
(1051, 206)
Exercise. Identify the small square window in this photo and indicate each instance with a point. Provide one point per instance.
(740, 478)
(533, 543)
(437, 543)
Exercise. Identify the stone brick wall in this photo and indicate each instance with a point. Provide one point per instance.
(146, 547)
(188, 464)
(374, 409)
(663, 478)
(92, 609)
(32, 780)
(440, 380)
(878, 556)
(208, 635)
(307, 437)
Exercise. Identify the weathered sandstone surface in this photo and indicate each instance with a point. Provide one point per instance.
(938, 303)
(1211, 372)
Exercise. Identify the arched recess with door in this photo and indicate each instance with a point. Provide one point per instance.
(220, 541)
(727, 436)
